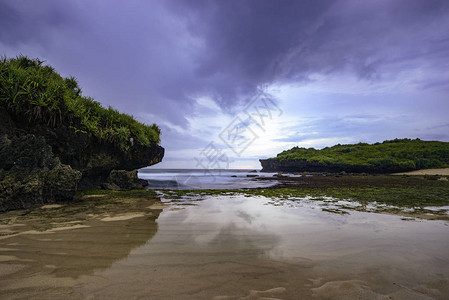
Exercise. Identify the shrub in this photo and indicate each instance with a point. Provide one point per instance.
(395, 154)
(30, 89)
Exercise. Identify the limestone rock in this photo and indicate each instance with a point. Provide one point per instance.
(30, 175)
(40, 164)
(125, 180)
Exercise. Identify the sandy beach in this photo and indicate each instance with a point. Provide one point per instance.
(220, 247)
(444, 172)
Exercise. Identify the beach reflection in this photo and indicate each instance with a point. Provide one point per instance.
(236, 247)
(48, 264)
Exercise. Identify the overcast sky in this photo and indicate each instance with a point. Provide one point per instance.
(233, 81)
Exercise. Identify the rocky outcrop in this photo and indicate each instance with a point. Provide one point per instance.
(41, 164)
(31, 175)
(96, 159)
(124, 180)
(302, 165)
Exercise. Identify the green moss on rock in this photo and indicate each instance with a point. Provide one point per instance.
(30, 175)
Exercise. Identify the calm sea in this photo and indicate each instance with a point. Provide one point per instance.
(204, 179)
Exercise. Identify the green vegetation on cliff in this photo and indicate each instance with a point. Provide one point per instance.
(400, 153)
(37, 93)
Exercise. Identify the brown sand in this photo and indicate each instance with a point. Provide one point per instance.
(226, 248)
(444, 172)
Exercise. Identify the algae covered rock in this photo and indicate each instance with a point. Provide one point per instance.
(30, 175)
(125, 180)
(61, 182)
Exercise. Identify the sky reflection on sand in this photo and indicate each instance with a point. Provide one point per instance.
(234, 245)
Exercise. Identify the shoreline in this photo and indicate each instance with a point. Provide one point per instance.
(442, 172)
(95, 245)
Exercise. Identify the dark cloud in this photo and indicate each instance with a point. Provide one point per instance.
(24, 22)
(154, 58)
(251, 43)
(247, 44)
(173, 51)
(133, 56)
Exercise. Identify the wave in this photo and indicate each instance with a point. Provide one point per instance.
(203, 179)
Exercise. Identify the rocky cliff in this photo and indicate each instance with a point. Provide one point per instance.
(54, 141)
(40, 164)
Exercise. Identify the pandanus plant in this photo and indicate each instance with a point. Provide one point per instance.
(42, 95)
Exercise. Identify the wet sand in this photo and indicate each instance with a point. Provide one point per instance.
(223, 247)
(444, 172)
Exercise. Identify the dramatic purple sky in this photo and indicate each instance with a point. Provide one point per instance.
(337, 71)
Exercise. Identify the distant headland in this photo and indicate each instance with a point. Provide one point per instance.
(398, 155)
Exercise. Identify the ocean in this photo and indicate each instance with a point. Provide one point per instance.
(204, 178)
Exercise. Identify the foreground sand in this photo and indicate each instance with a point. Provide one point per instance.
(219, 247)
(444, 172)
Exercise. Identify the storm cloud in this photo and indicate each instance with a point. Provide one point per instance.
(251, 43)
(156, 59)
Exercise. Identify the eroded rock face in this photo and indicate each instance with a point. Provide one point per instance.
(94, 158)
(30, 175)
(39, 164)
